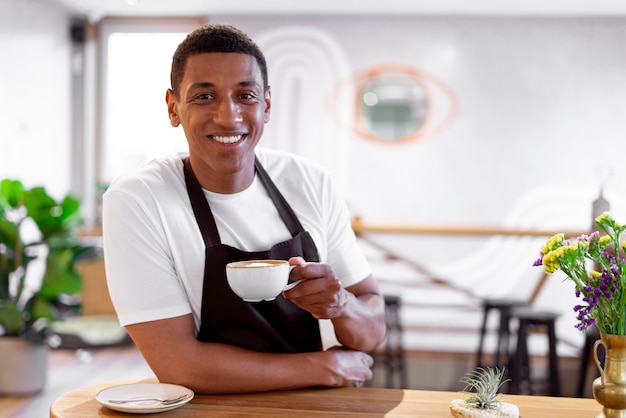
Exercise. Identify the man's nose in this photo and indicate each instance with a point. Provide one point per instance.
(227, 112)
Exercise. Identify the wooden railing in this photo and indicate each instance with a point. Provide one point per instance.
(361, 227)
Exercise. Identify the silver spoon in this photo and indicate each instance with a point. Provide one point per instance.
(161, 401)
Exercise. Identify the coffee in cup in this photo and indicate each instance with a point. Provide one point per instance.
(258, 280)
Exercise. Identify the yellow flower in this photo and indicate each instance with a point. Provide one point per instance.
(551, 269)
(553, 243)
(603, 216)
(551, 260)
(604, 240)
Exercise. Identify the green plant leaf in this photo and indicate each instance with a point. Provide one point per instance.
(8, 232)
(44, 210)
(42, 308)
(11, 192)
(12, 318)
(60, 277)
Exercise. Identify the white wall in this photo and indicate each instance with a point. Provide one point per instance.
(540, 103)
(35, 106)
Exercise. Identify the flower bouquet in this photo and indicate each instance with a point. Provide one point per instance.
(596, 265)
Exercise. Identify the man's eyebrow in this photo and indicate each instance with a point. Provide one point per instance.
(206, 85)
(201, 86)
(251, 83)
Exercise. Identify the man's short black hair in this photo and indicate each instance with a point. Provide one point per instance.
(214, 38)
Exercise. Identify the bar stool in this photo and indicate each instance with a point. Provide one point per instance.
(521, 376)
(393, 356)
(504, 307)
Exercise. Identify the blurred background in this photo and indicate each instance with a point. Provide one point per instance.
(462, 134)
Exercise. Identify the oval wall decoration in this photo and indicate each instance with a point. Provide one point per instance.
(395, 103)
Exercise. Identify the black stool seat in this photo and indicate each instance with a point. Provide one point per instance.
(504, 307)
(521, 379)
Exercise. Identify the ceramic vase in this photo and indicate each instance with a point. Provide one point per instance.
(23, 366)
(609, 389)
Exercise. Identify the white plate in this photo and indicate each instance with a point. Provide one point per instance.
(137, 391)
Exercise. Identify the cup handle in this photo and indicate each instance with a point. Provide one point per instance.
(292, 284)
(595, 357)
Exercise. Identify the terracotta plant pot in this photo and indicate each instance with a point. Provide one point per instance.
(24, 366)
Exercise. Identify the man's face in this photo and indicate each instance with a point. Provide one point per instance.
(222, 107)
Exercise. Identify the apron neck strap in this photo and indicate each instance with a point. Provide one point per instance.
(284, 210)
(200, 206)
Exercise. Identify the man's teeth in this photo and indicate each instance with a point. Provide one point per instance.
(227, 139)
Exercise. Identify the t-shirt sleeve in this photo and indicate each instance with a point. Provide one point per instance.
(344, 254)
(141, 278)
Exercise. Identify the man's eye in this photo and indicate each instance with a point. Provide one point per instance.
(204, 96)
(248, 96)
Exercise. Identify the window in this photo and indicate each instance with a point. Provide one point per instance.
(135, 126)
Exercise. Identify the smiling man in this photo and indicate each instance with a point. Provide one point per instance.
(171, 228)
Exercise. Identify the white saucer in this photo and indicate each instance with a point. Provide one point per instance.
(141, 391)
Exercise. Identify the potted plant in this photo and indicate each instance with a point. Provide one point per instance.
(482, 386)
(38, 249)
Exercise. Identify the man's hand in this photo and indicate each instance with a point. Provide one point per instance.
(350, 368)
(320, 292)
(356, 312)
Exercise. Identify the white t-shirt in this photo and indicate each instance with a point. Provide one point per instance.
(153, 249)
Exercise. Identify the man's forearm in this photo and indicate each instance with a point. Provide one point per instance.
(176, 356)
(361, 325)
(218, 368)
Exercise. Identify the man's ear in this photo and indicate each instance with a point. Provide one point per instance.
(172, 108)
(268, 105)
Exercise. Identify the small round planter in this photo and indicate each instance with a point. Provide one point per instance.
(24, 366)
(461, 409)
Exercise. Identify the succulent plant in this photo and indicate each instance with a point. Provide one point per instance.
(483, 385)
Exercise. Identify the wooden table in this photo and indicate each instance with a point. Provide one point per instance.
(340, 402)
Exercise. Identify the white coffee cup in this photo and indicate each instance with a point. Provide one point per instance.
(257, 280)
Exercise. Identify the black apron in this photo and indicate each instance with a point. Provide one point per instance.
(276, 326)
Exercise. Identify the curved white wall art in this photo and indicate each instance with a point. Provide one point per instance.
(304, 65)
